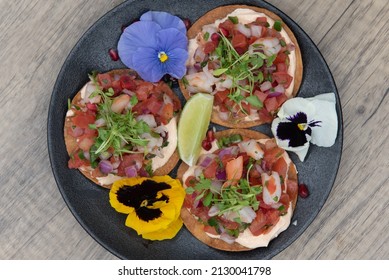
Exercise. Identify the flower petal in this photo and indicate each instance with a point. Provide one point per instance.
(175, 66)
(167, 233)
(146, 62)
(296, 105)
(133, 37)
(325, 134)
(170, 38)
(165, 20)
(301, 151)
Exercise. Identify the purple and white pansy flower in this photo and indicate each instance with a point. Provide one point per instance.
(301, 121)
(154, 46)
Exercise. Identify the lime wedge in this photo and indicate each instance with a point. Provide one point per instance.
(193, 126)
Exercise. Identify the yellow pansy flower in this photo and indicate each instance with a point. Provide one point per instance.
(153, 205)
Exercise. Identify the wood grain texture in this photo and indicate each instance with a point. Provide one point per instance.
(35, 38)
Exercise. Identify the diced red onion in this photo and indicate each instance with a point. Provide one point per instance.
(197, 172)
(205, 160)
(143, 173)
(244, 30)
(197, 67)
(247, 214)
(223, 115)
(216, 186)
(213, 211)
(233, 150)
(274, 94)
(279, 88)
(87, 155)
(128, 92)
(256, 30)
(100, 122)
(258, 168)
(199, 55)
(290, 47)
(105, 166)
(221, 174)
(167, 99)
(227, 238)
(147, 118)
(266, 85)
(130, 171)
(196, 202)
(77, 131)
(270, 69)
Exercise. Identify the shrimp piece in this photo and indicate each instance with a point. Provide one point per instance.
(269, 45)
(200, 82)
(271, 188)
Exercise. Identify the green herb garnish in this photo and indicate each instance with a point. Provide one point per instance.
(206, 36)
(277, 25)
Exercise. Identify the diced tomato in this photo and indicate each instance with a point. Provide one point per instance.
(220, 96)
(92, 107)
(117, 87)
(153, 104)
(227, 158)
(283, 78)
(272, 218)
(104, 80)
(246, 107)
(210, 230)
(76, 162)
(251, 40)
(273, 33)
(129, 160)
(261, 21)
(281, 58)
(234, 168)
(255, 181)
(271, 104)
(85, 143)
(90, 132)
(281, 67)
(280, 167)
(228, 224)
(210, 170)
(270, 144)
(292, 188)
(284, 199)
(239, 42)
(83, 119)
(143, 90)
(209, 47)
(127, 82)
(281, 99)
(257, 225)
(227, 27)
(261, 96)
(265, 115)
(190, 181)
(166, 113)
(271, 156)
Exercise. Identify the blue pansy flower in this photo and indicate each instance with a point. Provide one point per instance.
(301, 121)
(154, 46)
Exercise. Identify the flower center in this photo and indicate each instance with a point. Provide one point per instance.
(162, 56)
(302, 126)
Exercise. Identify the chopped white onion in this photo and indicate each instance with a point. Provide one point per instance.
(246, 31)
(247, 214)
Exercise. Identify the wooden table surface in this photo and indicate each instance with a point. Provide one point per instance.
(36, 37)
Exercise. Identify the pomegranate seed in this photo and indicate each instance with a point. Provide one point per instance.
(206, 145)
(187, 23)
(303, 191)
(215, 37)
(113, 54)
(124, 27)
(210, 135)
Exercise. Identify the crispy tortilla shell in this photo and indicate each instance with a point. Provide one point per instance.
(221, 12)
(197, 228)
(91, 174)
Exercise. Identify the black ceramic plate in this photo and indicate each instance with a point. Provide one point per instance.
(89, 203)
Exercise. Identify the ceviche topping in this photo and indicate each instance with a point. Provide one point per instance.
(242, 186)
(246, 66)
(121, 124)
